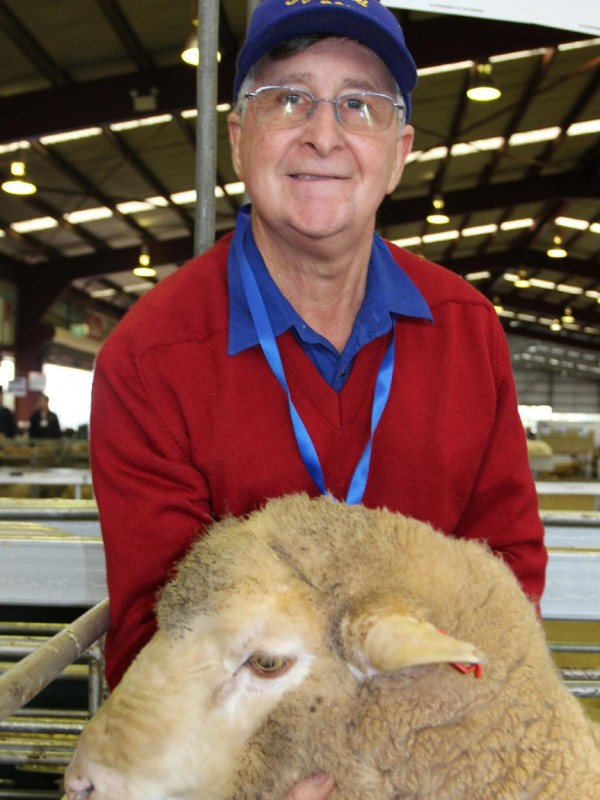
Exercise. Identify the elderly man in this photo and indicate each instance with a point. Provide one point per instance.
(304, 353)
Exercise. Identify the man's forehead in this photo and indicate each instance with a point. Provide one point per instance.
(302, 66)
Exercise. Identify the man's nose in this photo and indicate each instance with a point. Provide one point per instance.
(323, 129)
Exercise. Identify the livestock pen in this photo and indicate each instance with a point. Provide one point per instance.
(53, 564)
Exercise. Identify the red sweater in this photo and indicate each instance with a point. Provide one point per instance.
(182, 433)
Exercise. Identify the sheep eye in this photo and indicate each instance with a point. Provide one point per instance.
(268, 666)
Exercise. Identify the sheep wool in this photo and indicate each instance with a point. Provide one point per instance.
(312, 635)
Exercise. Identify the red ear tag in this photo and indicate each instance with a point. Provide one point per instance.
(476, 669)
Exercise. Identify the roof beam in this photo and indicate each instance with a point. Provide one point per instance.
(171, 251)
(573, 184)
(127, 36)
(31, 48)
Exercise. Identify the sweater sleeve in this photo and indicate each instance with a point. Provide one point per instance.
(503, 506)
(152, 500)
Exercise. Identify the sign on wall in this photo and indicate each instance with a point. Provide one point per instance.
(582, 16)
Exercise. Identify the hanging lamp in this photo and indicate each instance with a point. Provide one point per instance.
(18, 184)
(482, 88)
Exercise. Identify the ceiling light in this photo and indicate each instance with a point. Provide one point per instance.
(131, 124)
(580, 128)
(498, 307)
(415, 241)
(516, 224)
(433, 154)
(540, 283)
(70, 136)
(187, 196)
(480, 230)
(478, 276)
(577, 45)
(522, 281)
(477, 146)
(441, 68)
(555, 325)
(157, 202)
(144, 269)
(190, 53)
(36, 224)
(557, 250)
(568, 289)
(237, 187)
(14, 147)
(482, 86)
(18, 184)
(444, 236)
(87, 215)
(436, 215)
(535, 137)
(518, 54)
(134, 207)
(138, 287)
(144, 272)
(571, 222)
(567, 317)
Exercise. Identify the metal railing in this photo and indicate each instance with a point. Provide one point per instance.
(37, 670)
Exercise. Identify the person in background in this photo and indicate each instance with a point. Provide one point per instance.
(43, 423)
(8, 423)
(303, 353)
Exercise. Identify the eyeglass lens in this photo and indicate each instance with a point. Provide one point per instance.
(284, 106)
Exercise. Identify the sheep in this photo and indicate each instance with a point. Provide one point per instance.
(316, 636)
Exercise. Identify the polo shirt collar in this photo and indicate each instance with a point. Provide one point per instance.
(389, 291)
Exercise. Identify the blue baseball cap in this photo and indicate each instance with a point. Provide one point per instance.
(367, 21)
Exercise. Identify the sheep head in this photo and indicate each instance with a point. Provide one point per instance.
(305, 637)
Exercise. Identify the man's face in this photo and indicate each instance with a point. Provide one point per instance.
(319, 180)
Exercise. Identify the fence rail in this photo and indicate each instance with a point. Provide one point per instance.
(26, 679)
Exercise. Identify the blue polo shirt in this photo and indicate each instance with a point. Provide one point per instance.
(389, 293)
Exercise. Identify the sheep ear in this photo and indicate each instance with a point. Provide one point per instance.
(395, 641)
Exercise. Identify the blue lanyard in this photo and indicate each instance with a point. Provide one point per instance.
(270, 350)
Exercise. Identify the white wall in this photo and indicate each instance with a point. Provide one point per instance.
(69, 391)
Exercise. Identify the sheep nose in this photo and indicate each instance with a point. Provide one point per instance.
(79, 779)
(78, 788)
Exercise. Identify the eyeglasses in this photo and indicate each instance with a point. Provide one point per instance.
(359, 112)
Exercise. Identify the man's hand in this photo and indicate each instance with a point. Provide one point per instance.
(315, 787)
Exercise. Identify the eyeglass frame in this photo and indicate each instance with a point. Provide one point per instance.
(334, 100)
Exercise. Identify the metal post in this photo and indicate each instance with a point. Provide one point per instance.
(206, 124)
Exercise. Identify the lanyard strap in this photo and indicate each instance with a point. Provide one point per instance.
(270, 350)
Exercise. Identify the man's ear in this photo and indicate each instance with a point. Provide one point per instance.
(403, 148)
(235, 135)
